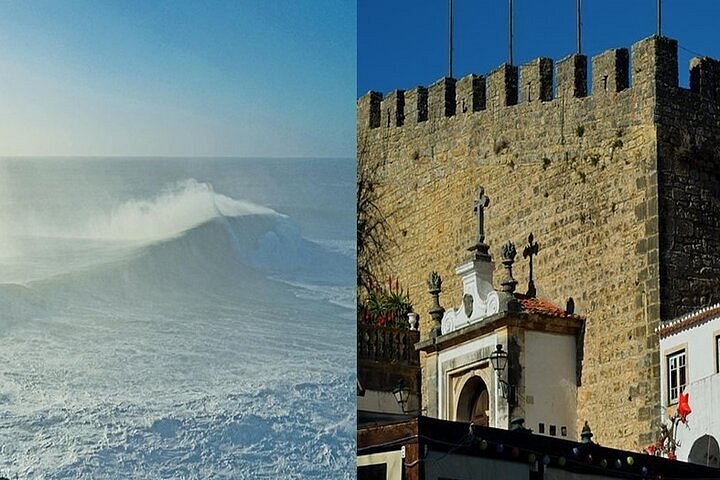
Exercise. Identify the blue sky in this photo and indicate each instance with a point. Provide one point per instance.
(403, 43)
(129, 77)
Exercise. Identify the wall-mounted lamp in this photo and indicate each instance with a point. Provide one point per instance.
(498, 360)
(402, 393)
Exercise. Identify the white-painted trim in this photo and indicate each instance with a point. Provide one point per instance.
(393, 460)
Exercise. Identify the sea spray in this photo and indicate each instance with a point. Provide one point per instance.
(153, 340)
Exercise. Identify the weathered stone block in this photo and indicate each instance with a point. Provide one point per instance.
(470, 94)
(392, 109)
(705, 77)
(610, 71)
(441, 98)
(536, 80)
(502, 87)
(571, 74)
(369, 110)
(416, 106)
(655, 64)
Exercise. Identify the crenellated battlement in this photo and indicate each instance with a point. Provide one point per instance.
(605, 159)
(654, 71)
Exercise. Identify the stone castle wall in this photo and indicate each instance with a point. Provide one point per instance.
(578, 171)
(689, 177)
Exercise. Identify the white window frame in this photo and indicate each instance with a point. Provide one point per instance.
(676, 374)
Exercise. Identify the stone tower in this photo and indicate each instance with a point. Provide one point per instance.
(621, 182)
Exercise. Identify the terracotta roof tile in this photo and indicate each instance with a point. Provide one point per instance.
(541, 306)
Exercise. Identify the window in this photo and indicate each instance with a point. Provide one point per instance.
(717, 353)
(677, 375)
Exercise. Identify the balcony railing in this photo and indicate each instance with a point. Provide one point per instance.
(387, 345)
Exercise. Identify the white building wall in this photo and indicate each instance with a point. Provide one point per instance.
(703, 382)
(453, 360)
(704, 394)
(550, 382)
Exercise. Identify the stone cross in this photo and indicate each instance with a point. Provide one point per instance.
(530, 250)
(479, 205)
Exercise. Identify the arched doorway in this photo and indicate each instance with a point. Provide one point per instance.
(705, 451)
(474, 403)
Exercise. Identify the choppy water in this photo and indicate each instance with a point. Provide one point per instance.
(176, 318)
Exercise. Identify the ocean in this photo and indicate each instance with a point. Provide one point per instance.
(177, 318)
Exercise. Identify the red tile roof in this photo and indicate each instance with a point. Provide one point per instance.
(543, 307)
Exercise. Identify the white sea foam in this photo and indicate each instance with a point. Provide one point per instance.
(343, 247)
(342, 296)
(177, 209)
(175, 359)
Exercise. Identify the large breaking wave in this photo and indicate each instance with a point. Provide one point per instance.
(169, 234)
(179, 208)
(154, 340)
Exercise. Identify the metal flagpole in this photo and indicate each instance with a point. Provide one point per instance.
(450, 40)
(579, 31)
(510, 32)
(659, 18)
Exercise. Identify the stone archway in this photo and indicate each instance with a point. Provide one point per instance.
(705, 451)
(474, 403)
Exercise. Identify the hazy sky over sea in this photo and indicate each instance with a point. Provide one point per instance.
(131, 77)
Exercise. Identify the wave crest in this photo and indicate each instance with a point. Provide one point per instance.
(175, 210)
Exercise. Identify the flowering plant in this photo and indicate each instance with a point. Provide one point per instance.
(386, 306)
(667, 443)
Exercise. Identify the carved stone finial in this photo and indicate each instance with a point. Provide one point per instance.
(570, 306)
(530, 250)
(586, 434)
(434, 282)
(436, 312)
(480, 249)
(508, 253)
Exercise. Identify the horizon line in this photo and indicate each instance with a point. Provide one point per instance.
(299, 157)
